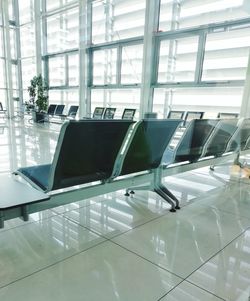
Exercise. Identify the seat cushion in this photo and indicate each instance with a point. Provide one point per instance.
(37, 174)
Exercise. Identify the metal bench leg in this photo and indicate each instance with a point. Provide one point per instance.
(170, 194)
(166, 198)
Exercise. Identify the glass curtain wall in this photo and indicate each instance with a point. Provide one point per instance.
(62, 57)
(200, 56)
(203, 56)
(2, 64)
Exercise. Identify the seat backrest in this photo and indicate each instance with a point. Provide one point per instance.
(190, 115)
(109, 113)
(98, 113)
(217, 143)
(148, 144)
(240, 141)
(86, 151)
(191, 145)
(176, 114)
(227, 115)
(128, 114)
(59, 109)
(51, 109)
(73, 111)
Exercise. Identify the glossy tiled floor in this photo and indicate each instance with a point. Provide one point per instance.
(126, 249)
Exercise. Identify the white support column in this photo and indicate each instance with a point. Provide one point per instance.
(8, 65)
(38, 29)
(245, 104)
(151, 24)
(84, 41)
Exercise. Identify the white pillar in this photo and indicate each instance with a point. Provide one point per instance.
(245, 104)
(151, 24)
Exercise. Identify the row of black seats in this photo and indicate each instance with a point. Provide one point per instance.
(109, 113)
(57, 110)
(102, 150)
(189, 115)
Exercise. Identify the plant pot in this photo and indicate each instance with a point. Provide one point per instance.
(38, 116)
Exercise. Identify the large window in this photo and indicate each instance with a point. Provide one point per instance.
(116, 98)
(63, 31)
(176, 14)
(226, 55)
(177, 60)
(211, 100)
(116, 19)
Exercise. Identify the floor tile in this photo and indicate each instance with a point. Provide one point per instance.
(105, 272)
(188, 292)
(118, 215)
(233, 198)
(181, 242)
(190, 185)
(34, 217)
(34, 246)
(228, 273)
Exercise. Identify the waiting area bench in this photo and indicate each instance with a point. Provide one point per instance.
(94, 157)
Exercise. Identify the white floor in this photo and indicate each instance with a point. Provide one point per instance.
(114, 247)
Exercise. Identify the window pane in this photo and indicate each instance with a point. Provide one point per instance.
(209, 100)
(73, 62)
(63, 31)
(2, 79)
(26, 11)
(14, 77)
(226, 55)
(177, 60)
(66, 97)
(53, 4)
(57, 71)
(13, 43)
(1, 42)
(11, 11)
(131, 64)
(28, 72)
(119, 20)
(188, 13)
(28, 40)
(115, 98)
(104, 66)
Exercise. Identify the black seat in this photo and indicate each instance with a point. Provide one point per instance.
(176, 115)
(191, 145)
(85, 152)
(218, 141)
(51, 109)
(59, 110)
(128, 114)
(109, 113)
(148, 145)
(190, 115)
(227, 115)
(71, 113)
(98, 113)
(240, 141)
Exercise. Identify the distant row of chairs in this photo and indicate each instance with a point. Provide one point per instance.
(189, 115)
(109, 113)
(57, 111)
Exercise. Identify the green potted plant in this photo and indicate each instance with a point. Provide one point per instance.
(38, 92)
